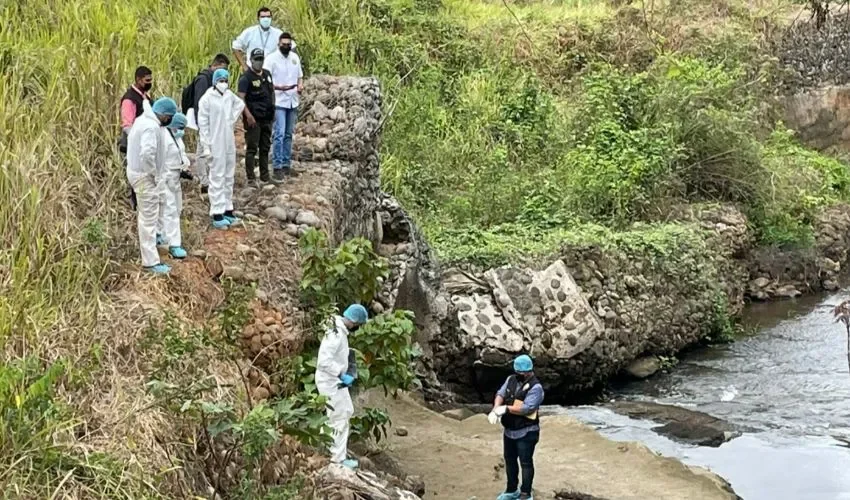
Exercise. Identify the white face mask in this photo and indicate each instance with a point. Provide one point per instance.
(265, 22)
(221, 86)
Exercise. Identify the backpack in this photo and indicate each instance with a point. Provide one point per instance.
(187, 98)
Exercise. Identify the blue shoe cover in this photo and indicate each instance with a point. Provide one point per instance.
(159, 268)
(177, 252)
(221, 224)
(508, 496)
(351, 463)
(232, 220)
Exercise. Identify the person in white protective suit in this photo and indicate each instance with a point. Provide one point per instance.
(171, 194)
(145, 159)
(218, 110)
(333, 381)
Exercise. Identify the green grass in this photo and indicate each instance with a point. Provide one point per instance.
(503, 148)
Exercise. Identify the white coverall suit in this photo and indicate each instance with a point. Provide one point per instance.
(331, 364)
(171, 194)
(217, 115)
(145, 159)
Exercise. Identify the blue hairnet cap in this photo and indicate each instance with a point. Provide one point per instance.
(523, 364)
(220, 74)
(165, 106)
(356, 313)
(178, 121)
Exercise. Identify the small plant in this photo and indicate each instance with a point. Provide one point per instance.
(371, 423)
(667, 363)
(385, 352)
(332, 279)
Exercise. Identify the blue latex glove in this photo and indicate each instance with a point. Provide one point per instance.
(346, 380)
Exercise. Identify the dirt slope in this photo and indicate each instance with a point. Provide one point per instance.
(461, 460)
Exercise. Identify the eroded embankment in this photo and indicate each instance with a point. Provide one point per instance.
(606, 299)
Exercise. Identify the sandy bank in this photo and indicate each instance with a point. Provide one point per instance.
(460, 460)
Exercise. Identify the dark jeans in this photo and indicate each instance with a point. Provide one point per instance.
(521, 450)
(258, 139)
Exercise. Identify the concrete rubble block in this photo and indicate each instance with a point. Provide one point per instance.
(483, 325)
(337, 481)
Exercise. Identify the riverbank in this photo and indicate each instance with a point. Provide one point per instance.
(462, 459)
(784, 384)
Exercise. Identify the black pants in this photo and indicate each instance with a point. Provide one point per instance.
(258, 139)
(521, 450)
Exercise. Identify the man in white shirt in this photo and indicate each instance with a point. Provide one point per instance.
(262, 35)
(287, 76)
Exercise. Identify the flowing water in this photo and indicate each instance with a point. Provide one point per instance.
(787, 382)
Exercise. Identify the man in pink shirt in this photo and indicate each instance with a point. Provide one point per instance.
(131, 108)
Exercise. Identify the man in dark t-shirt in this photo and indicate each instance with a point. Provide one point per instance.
(257, 90)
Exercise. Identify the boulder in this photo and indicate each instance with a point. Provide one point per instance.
(644, 367)
(338, 482)
(458, 414)
(680, 424)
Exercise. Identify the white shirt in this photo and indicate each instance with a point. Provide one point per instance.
(285, 71)
(256, 37)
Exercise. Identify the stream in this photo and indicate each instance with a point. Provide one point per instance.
(787, 382)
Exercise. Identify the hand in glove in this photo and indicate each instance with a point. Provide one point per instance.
(184, 174)
(493, 418)
(346, 380)
(500, 410)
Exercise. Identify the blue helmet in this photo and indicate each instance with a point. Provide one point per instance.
(523, 364)
(356, 314)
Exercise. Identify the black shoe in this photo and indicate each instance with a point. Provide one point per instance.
(279, 176)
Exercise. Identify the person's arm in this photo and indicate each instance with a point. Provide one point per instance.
(239, 46)
(238, 107)
(128, 114)
(300, 76)
(147, 151)
(500, 395)
(184, 158)
(326, 360)
(201, 85)
(242, 90)
(204, 125)
(532, 402)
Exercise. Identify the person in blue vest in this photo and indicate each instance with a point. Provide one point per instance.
(516, 405)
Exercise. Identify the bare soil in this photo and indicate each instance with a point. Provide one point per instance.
(462, 460)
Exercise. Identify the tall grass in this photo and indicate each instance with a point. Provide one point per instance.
(480, 119)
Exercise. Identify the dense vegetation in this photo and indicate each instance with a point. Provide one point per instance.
(512, 126)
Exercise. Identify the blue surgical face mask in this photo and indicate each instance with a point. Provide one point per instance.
(265, 22)
(178, 134)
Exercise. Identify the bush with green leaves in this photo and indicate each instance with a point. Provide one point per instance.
(334, 278)
(229, 431)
